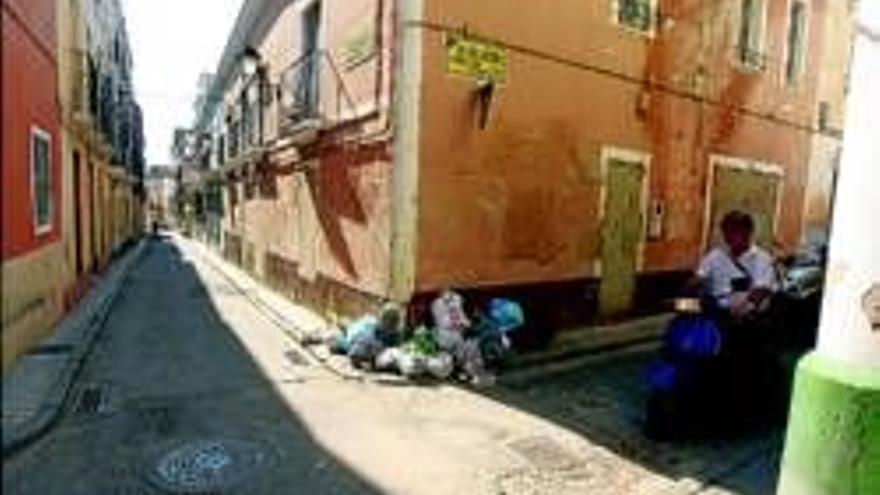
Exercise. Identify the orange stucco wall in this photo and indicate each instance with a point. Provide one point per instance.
(519, 200)
(29, 100)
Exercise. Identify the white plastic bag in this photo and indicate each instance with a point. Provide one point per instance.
(440, 366)
(410, 365)
(388, 360)
(448, 312)
(448, 340)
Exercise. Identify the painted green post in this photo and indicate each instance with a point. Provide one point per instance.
(833, 441)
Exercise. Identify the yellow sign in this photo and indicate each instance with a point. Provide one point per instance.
(474, 58)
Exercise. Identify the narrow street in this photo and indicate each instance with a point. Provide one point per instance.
(416, 247)
(168, 369)
(190, 377)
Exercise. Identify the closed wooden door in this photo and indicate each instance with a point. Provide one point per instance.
(622, 229)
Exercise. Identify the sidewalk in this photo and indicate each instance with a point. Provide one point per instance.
(569, 350)
(296, 321)
(37, 386)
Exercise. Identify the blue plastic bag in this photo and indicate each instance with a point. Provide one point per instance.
(507, 315)
(695, 336)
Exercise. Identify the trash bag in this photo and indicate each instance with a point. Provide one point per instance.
(507, 315)
(362, 328)
(493, 329)
(440, 365)
(448, 340)
(388, 359)
(364, 350)
(448, 312)
(423, 342)
(470, 358)
(411, 365)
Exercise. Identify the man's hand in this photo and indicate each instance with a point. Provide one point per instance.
(759, 295)
(741, 305)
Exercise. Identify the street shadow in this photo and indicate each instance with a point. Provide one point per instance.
(168, 373)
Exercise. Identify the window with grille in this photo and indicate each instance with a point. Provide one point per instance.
(41, 176)
(751, 34)
(636, 14)
(796, 41)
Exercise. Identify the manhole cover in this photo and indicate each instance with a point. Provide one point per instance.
(209, 465)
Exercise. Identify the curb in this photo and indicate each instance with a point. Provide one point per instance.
(50, 409)
(292, 330)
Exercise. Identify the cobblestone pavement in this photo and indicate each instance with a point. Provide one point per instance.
(604, 402)
(192, 390)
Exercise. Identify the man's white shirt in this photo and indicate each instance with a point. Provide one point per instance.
(719, 271)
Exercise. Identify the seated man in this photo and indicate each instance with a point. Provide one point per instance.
(739, 281)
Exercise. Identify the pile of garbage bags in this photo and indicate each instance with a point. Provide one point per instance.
(457, 344)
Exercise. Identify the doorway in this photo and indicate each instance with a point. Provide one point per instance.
(752, 187)
(622, 228)
(77, 214)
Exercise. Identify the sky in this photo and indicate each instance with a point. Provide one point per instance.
(173, 41)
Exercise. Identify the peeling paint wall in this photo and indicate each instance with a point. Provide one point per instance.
(827, 146)
(314, 220)
(517, 202)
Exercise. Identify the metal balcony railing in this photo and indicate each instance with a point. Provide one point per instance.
(312, 90)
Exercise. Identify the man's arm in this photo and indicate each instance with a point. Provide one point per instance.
(765, 281)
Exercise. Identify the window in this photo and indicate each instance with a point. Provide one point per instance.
(636, 14)
(233, 140)
(311, 35)
(221, 149)
(41, 177)
(751, 34)
(796, 42)
(252, 113)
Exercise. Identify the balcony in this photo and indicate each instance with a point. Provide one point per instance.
(311, 96)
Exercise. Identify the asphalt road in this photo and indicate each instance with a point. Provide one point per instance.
(170, 401)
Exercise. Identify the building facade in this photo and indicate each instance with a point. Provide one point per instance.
(161, 188)
(577, 158)
(103, 124)
(72, 158)
(33, 253)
